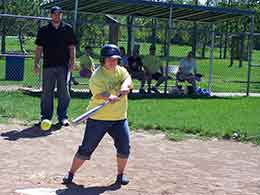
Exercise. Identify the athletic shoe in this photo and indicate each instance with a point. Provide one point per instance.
(142, 91)
(122, 179)
(75, 82)
(38, 124)
(154, 89)
(67, 179)
(65, 122)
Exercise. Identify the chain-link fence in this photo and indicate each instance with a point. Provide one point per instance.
(230, 65)
(17, 35)
(255, 67)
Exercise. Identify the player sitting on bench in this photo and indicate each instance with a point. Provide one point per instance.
(187, 71)
(87, 65)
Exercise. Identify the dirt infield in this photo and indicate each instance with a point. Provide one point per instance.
(33, 159)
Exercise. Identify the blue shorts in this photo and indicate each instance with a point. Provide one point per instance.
(95, 131)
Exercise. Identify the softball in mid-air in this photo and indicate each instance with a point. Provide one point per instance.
(45, 125)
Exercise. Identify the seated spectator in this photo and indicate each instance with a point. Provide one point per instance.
(87, 65)
(153, 70)
(187, 71)
(135, 69)
(124, 57)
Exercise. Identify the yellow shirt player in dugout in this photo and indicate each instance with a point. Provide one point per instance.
(153, 70)
(108, 82)
(87, 65)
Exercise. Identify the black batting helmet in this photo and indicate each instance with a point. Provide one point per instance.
(110, 50)
(55, 9)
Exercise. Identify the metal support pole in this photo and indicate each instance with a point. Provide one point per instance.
(154, 30)
(75, 31)
(168, 44)
(194, 39)
(211, 57)
(130, 33)
(250, 48)
(41, 60)
(75, 15)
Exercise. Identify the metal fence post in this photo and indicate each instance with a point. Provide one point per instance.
(168, 43)
(75, 15)
(211, 57)
(250, 48)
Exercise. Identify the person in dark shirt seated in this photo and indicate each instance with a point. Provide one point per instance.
(135, 68)
(124, 58)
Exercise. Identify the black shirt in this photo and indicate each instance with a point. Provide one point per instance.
(134, 64)
(55, 44)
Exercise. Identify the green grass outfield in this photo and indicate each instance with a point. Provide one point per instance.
(206, 117)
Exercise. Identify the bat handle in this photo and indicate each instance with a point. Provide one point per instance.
(108, 101)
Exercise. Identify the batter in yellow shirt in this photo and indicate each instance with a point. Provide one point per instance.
(104, 80)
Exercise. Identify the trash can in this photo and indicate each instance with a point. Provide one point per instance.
(14, 70)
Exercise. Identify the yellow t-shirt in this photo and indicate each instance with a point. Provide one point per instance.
(152, 63)
(104, 80)
(87, 62)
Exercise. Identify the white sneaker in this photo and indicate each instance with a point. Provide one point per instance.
(155, 90)
(65, 122)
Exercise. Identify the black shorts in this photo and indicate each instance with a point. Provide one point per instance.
(137, 75)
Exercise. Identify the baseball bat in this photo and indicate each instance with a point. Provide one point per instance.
(89, 113)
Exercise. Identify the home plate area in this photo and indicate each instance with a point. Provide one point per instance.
(35, 165)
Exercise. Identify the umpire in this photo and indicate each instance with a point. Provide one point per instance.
(56, 41)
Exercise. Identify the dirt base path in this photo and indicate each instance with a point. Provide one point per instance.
(33, 159)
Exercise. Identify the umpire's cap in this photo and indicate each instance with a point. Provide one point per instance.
(55, 9)
(110, 51)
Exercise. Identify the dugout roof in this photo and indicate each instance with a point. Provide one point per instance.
(145, 8)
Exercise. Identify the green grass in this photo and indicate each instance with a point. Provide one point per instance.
(213, 117)
(206, 117)
(225, 79)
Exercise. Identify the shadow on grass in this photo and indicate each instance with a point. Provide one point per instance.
(31, 132)
(134, 96)
(75, 189)
(233, 81)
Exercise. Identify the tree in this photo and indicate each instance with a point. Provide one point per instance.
(18, 27)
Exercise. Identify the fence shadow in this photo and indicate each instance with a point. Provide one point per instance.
(134, 95)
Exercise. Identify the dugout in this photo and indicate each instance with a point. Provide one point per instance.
(163, 11)
(239, 50)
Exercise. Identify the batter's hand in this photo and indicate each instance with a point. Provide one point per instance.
(72, 67)
(113, 98)
(36, 69)
(124, 91)
(72, 64)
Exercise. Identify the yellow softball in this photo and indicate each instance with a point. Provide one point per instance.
(45, 125)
